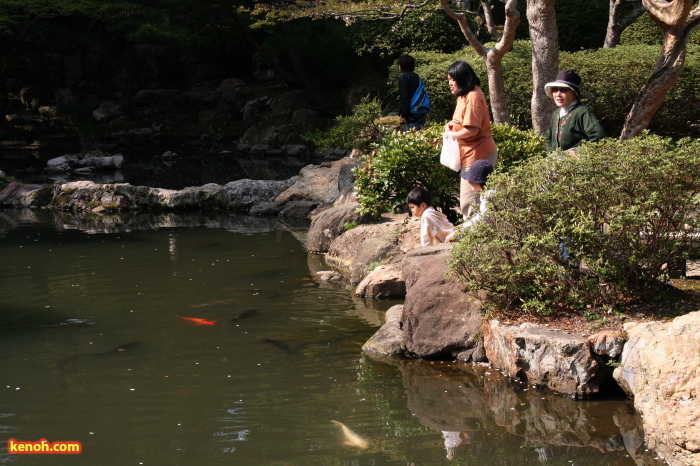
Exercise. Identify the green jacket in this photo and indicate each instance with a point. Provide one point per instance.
(580, 124)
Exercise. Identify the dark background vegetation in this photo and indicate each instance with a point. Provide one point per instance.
(179, 44)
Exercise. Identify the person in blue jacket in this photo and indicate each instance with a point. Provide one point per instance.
(408, 83)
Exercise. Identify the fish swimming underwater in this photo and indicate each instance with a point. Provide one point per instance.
(276, 344)
(351, 438)
(245, 315)
(121, 348)
(199, 321)
(70, 323)
(85, 356)
(221, 302)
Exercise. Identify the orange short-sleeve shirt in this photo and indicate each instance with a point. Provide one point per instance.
(472, 110)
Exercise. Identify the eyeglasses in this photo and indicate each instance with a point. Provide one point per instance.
(563, 90)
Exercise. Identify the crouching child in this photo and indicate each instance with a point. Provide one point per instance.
(434, 226)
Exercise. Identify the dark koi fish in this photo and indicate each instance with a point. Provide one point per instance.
(276, 344)
(245, 315)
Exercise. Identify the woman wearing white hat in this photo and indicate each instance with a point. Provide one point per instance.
(573, 121)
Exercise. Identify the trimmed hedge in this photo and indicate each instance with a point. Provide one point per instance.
(611, 80)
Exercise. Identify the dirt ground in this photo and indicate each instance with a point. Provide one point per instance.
(686, 298)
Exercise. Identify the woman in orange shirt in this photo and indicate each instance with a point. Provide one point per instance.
(471, 126)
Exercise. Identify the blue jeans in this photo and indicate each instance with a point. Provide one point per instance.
(416, 125)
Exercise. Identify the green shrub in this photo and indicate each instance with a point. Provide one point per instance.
(644, 31)
(359, 130)
(611, 80)
(515, 145)
(403, 162)
(622, 208)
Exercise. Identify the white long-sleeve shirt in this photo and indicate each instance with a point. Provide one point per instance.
(434, 227)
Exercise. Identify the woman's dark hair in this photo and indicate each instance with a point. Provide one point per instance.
(406, 62)
(417, 196)
(463, 75)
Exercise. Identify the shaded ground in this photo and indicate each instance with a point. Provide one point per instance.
(684, 297)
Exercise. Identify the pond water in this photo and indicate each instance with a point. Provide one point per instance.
(96, 348)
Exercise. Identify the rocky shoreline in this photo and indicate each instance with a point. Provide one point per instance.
(655, 363)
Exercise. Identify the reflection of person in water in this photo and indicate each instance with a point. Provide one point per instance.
(453, 439)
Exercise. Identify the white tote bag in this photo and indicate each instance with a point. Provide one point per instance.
(449, 156)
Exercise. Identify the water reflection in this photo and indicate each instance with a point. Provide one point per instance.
(468, 403)
(139, 383)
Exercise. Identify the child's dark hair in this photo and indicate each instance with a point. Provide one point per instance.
(417, 196)
(407, 63)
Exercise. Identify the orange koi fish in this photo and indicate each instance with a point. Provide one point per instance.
(199, 321)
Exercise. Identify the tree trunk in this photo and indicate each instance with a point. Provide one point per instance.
(493, 56)
(676, 22)
(617, 23)
(545, 59)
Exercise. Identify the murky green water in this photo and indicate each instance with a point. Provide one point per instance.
(142, 385)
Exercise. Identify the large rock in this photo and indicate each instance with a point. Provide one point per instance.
(316, 183)
(242, 194)
(439, 319)
(385, 281)
(541, 356)
(388, 340)
(25, 195)
(660, 368)
(354, 251)
(328, 225)
(81, 196)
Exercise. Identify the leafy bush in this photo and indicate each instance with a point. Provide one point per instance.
(403, 162)
(619, 210)
(359, 130)
(611, 80)
(515, 145)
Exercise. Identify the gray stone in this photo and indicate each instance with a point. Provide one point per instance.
(287, 103)
(109, 110)
(57, 162)
(353, 251)
(328, 225)
(294, 150)
(660, 369)
(384, 281)
(298, 209)
(346, 176)
(607, 343)
(267, 208)
(242, 194)
(197, 99)
(25, 195)
(439, 319)
(229, 84)
(544, 357)
(316, 183)
(305, 118)
(388, 340)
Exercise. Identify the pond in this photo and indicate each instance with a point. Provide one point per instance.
(206, 339)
